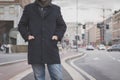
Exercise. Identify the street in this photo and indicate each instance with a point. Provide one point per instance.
(69, 32)
(99, 64)
(93, 65)
(13, 64)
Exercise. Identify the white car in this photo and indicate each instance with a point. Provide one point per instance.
(90, 47)
(101, 47)
(74, 47)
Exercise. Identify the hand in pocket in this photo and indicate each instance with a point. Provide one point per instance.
(30, 37)
(54, 37)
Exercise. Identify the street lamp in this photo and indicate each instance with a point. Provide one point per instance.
(76, 37)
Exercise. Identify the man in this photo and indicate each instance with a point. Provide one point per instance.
(43, 26)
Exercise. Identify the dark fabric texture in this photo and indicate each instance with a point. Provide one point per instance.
(42, 23)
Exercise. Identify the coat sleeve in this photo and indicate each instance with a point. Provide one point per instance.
(23, 24)
(60, 26)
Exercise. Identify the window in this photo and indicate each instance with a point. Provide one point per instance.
(1, 10)
(12, 10)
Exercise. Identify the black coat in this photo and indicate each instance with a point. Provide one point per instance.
(42, 24)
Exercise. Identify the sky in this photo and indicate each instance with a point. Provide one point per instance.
(88, 10)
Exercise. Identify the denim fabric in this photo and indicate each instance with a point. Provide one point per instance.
(55, 71)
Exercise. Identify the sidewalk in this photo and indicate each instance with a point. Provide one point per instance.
(10, 64)
(12, 57)
(18, 75)
(66, 75)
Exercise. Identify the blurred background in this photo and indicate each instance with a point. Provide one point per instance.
(91, 22)
(93, 34)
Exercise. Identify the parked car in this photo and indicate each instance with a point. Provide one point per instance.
(90, 47)
(73, 47)
(101, 47)
(115, 47)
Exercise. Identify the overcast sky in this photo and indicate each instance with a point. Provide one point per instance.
(88, 10)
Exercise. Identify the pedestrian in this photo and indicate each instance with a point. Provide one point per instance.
(42, 26)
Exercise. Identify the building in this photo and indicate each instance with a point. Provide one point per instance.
(116, 28)
(98, 37)
(108, 31)
(73, 33)
(10, 13)
(92, 34)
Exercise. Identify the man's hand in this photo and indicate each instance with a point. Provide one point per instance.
(55, 37)
(30, 37)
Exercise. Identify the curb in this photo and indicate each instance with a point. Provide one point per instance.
(80, 70)
(12, 62)
(21, 75)
(71, 71)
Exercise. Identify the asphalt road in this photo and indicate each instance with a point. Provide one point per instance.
(101, 65)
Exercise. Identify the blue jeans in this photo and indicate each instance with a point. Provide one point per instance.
(55, 71)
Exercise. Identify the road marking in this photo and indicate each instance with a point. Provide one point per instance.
(96, 58)
(118, 60)
(80, 70)
(73, 73)
(114, 58)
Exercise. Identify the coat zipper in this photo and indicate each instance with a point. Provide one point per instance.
(42, 15)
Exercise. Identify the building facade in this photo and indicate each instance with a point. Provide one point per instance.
(92, 34)
(10, 13)
(116, 28)
(108, 31)
(73, 33)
